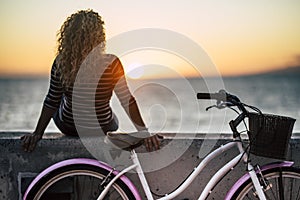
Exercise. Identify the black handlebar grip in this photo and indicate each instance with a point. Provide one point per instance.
(220, 96)
(204, 96)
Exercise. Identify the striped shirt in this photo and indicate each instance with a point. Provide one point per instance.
(86, 102)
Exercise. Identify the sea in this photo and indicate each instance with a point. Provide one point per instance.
(166, 105)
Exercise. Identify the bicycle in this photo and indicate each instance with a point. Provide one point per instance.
(279, 180)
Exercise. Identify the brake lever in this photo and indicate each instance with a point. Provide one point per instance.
(209, 107)
(220, 105)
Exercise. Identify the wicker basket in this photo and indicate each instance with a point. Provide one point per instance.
(269, 135)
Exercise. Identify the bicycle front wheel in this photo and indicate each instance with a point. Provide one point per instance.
(78, 182)
(282, 183)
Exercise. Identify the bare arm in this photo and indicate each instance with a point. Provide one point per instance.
(51, 104)
(44, 119)
(129, 104)
(123, 93)
(29, 141)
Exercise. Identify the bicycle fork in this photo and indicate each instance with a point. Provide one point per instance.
(252, 172)
(257, 185)
(108, 182)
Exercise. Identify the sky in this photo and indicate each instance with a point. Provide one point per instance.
(240, 37)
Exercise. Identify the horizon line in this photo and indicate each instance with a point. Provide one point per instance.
(43, 76)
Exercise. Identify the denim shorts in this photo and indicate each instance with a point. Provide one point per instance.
(70, 130)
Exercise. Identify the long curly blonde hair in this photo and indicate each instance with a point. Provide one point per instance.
(77, 37)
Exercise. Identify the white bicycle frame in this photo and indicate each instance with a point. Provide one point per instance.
(210, 185)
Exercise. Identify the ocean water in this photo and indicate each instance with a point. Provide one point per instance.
(167, 105)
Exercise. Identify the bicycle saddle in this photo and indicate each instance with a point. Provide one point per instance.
(127, 141)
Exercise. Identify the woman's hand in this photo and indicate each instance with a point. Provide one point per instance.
(29, 141)
(152, 142)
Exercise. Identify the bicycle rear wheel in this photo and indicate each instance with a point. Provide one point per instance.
(78, 182)
(282, 183)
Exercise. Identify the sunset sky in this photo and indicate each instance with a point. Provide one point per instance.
(240, 37)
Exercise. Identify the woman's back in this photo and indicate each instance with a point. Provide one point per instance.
(89, 96)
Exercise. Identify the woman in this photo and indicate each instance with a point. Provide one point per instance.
(82, 73)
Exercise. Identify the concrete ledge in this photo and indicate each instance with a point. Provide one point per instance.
(17, 168)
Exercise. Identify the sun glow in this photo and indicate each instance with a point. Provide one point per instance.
(240, 38)
(134, 71)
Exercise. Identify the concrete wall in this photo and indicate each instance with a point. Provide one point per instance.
(17, 168)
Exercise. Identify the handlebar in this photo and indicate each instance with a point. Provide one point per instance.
(224, 100)
(216, 96)
(222, 95)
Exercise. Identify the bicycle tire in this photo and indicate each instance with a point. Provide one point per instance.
(85, 180)
(290, 183)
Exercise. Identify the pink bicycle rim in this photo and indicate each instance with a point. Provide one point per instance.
(85, 161)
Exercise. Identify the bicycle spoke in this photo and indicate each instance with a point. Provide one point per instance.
(268, 196)
(283, 185)
(248, 197)
(271, 195)
(298, 192)
(82, 184)
(291, 194)
(276, 189)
